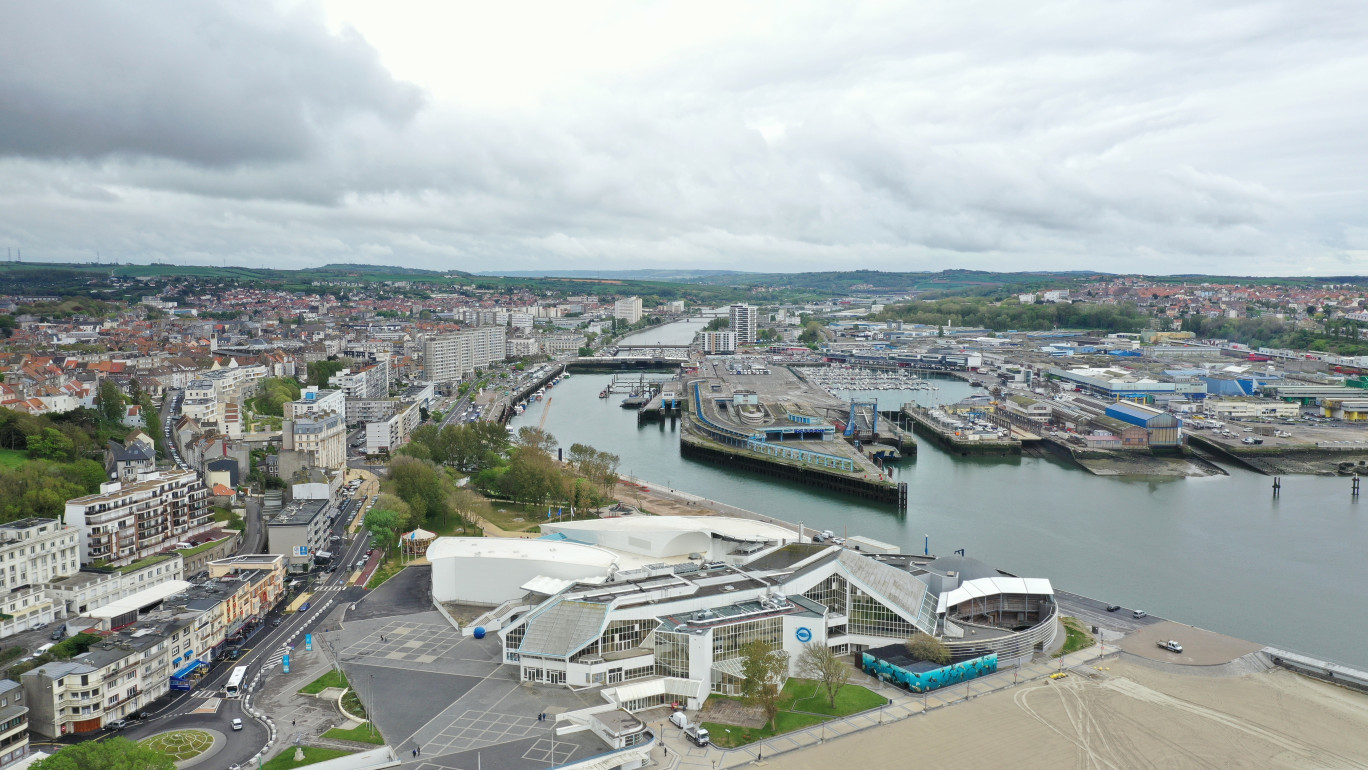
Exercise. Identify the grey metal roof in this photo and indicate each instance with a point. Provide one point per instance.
(564, 628)
(899, 589)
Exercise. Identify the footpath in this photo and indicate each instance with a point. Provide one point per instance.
(673, 750)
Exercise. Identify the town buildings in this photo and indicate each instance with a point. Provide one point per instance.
(450, 357)
(126, 522)
(628, 309)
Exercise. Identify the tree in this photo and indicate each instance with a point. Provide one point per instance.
(536, 438)
(817, 661)
(928, 648)
(812, 332)
(51, 444)
(110, 754)
(384, 526)
(717, 325)
(111, 401)
(765, 670)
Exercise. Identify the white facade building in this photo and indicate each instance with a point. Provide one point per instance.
(127, 522)
(628, 309)
(743, 323)
(448, 357)
(718, 342)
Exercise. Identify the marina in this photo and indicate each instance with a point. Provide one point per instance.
(1036, 513)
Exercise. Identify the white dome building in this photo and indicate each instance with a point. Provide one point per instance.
(491, 570)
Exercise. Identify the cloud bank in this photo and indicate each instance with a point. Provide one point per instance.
(1146, 137)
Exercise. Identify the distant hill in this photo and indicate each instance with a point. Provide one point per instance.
(667, 275)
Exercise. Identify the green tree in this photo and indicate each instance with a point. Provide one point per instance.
(51, 444)
(536, 438)
(384, 526)
(717, 325)
(110, 401)
(812, 332)
(111, 754)
(765, 670)
(319, 372)
(928, 648)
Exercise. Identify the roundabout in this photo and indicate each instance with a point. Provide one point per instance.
(184, 746)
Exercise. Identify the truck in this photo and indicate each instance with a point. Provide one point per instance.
(1170, 645)
(697, 734)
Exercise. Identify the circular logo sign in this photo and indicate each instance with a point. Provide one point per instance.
(804, 634)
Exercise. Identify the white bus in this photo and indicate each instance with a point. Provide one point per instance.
(234, 686)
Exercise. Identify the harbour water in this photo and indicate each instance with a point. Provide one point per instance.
(1218, 552)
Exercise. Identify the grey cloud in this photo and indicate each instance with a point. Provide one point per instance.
(213, 83)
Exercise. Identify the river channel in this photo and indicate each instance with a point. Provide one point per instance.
(1219, 552)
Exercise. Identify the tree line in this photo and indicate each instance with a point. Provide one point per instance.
(1011, 315)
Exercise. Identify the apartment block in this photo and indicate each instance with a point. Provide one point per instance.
(743, 322)
(718, 342)
(628, 309)
(34, 551)
(387, 435)
(299, 532)
(316, 427)
(448, 357)
(92, 587)
(157, 640)
(370, 382)
(14, 726)
(125, 522)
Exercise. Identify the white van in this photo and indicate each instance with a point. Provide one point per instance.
(42, 649)
(679, 720)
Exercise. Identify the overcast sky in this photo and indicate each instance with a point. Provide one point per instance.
(1161, 137)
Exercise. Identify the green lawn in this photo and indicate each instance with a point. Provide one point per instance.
(330, 679)
(285, 759)
(799, 697)
(384, 572)
(180, 745)
(809, 695)
(1078, 637)
(731, 736)
(13, 458)
(199, 548)
(361, 734)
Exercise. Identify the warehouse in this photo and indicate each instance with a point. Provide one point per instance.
(1164, 429)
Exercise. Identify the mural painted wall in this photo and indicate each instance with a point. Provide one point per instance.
(930, 680)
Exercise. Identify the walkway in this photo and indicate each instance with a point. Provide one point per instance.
(903, 705)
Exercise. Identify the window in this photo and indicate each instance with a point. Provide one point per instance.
(830, 593)
(672, 654)
(870, 616)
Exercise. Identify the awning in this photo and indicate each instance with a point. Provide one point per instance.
(190, 669)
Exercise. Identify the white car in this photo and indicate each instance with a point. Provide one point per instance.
(237, 724)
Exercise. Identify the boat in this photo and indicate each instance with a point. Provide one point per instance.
(635, 401)
(603, 393)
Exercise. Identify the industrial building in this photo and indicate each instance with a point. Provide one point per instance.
(1163, 430)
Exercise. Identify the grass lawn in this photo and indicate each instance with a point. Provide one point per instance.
(199, 548)
(505, 515)
(384, 572)
(360, 734)
(798, 697)
(180, 745)
(285, 759)
(809, 695)
(1078, 637)
(731, 736)
(330, 679)
(13, 458)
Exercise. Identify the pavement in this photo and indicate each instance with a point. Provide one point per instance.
(1200, 647)
(429, 687)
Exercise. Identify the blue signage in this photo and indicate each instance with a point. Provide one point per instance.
(285, 662)
(804, 634)
(308, 642)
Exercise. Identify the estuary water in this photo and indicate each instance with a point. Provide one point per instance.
(1219, 552)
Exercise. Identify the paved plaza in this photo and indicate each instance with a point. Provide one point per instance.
(447, 695)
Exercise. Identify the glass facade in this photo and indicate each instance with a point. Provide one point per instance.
(672, 654)
(513, 641)
(727, 641)
(830, 593)
(869, 616)
(619, 636)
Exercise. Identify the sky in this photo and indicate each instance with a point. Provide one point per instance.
(1148, 136)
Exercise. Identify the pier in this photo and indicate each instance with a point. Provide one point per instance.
(955, 439)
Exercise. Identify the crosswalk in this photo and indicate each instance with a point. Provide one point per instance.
(323, 589)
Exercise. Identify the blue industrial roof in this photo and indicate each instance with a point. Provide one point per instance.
(1133, 413)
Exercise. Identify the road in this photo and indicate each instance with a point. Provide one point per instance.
(260, 651)
(1094, 613)
(254, 538)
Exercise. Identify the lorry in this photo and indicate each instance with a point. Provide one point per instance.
(1170, 645)
(696, 733)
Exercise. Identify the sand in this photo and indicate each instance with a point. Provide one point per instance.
(1127, 716)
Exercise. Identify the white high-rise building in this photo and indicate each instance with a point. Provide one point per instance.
(743, 322)
(628, 309)
(718, 342)
(448, 357)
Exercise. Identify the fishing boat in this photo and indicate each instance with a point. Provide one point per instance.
(603, 393)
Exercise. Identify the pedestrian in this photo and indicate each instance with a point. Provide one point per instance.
(419, 750)
(292, 723)
(415, 753)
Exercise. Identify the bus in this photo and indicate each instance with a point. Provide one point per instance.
(234, 686)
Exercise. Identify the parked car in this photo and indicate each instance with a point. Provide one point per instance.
(1140, 614)
(237, 724)
(1113, 607)
(118, 724)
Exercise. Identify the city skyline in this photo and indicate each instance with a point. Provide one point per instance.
(1152, 138)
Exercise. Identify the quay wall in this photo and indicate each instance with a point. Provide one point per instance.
(695, 448)
(922, 426)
